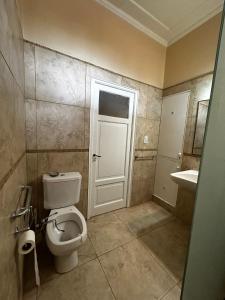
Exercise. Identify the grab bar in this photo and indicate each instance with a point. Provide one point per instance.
(144, 157)
(24, 211)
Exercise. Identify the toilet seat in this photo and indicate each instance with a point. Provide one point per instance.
(74, 225)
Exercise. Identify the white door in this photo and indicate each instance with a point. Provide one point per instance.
(112, 110)
(170, 149)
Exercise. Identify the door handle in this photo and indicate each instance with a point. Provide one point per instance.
(96, 155)
(179, 155)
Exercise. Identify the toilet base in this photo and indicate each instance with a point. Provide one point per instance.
(66, 263)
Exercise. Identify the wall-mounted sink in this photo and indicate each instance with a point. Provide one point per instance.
(187, 179)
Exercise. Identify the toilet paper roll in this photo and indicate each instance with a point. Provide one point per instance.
(26, 242)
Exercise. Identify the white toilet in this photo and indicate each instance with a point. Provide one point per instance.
(66, 229)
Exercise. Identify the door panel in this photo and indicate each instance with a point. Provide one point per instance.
(111, 119)
(170, 149)
(165, 188)
(110, 192)
(112, 148)
(172, 126)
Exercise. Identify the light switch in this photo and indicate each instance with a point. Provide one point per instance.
(146, 141)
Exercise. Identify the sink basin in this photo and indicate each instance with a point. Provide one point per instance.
(186, 179)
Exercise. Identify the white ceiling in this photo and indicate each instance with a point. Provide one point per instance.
(164, 20)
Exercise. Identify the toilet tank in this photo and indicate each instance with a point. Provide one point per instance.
(62, 190)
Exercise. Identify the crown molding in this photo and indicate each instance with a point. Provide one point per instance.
(132, 21)
(212, 14)
(149, 14)
(120, 13)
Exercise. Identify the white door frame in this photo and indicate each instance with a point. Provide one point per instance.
(91, 147)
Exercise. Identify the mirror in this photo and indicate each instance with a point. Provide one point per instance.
(200, 123)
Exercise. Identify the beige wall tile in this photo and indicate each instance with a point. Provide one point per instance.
(59, 78)
(149, 99)
(29, 68)
(143, 95)
(62, 162)
(86, 128)
(190, 162)
(12, 120)
(201, 87)
(18, 124)
(142, 191)
(11, 38)
(154, 105)
(12, 145)
(32, 175)
(31, 124)
(59, 126)
(9, 267)
(185, 205)
(149, 128)
(94, 72)
(6, 118)
(185, 86)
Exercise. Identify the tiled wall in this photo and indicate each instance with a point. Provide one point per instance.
(58, 92)
(12, 145)
(200, 89)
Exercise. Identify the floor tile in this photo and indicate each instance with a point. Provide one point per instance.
(107, 232)
(86, 282)
(133, 273)
(174, 294)
(144, 217)
(46, 264)
(169, 245)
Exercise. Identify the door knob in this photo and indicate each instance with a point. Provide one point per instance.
(96, 155)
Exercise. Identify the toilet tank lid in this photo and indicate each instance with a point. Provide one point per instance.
(62, 177)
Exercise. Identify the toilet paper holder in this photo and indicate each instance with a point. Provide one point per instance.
(25, 210)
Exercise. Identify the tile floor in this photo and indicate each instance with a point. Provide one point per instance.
(130, 254)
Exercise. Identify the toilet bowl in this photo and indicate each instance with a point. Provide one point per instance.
(66, 228)
(66, 231)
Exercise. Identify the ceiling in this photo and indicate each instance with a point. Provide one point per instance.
(164, 20)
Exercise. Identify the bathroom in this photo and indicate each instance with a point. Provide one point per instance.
(102, 100)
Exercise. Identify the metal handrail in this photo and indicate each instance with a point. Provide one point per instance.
(24, 211)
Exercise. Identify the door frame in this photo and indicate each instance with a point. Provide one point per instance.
(94, 82)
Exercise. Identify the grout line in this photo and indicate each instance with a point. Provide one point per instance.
(106, 278)
(70, 150)
(11, 171)
(116, 247)
(11, 72)
(54, 102)
(159, 262)
(168, 291)
(102, 268)
(55, 150)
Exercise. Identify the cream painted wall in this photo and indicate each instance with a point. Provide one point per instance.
(88, 31)
(194, 54)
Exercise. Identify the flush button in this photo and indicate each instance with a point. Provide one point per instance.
(53, 174)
